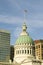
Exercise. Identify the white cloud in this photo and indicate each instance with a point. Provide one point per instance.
(36, 23)
(10, 19)
(32, 22)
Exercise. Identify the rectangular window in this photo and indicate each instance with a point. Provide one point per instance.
(18, 51)
(25, 51)
(39, 46)
(28, 51)
(22, 51)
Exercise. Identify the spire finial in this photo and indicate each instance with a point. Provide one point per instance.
(25, 12)
(24, 27)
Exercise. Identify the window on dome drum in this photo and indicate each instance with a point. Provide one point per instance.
(25, 51)
(29, 44)
(25, 43)
(18, 51)
(19, 43)
(22, 51)
(28, 51)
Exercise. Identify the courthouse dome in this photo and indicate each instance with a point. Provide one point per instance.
(24, 37)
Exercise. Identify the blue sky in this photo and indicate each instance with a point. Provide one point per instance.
(12, 17)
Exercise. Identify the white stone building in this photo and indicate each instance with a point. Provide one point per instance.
(24, 52)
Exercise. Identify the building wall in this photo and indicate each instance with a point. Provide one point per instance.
(4, 46)
(39, 49)
(23, 51)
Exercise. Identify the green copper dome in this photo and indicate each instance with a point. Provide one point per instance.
(24, 37)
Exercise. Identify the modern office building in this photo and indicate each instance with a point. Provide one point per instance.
(4, 46)
(39, 49)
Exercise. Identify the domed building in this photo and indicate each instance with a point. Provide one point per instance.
(24, 46)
